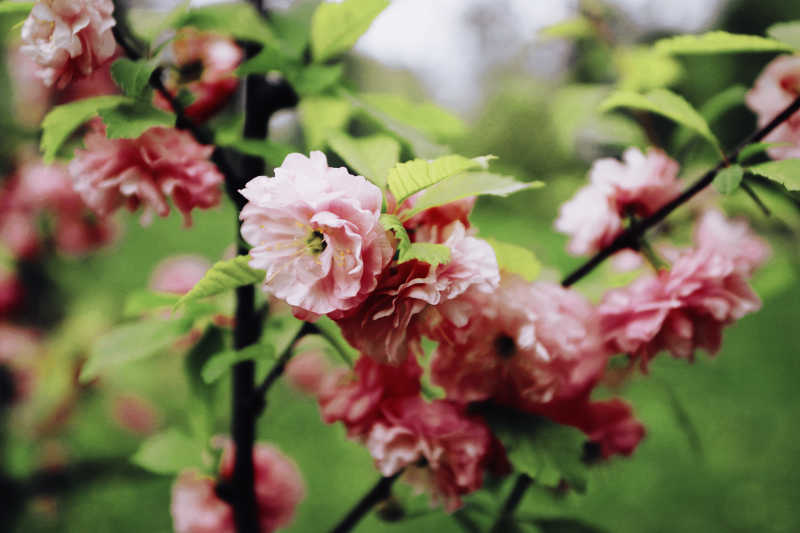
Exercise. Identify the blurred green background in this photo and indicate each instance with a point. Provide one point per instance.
(722, 449)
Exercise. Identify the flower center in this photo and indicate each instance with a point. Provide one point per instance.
(505, 346)
(315, 243)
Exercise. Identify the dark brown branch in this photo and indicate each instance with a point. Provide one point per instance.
(631, 237)
(380, 492)
(521, 485)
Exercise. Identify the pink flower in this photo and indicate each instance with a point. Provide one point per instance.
(98, 83)
(69, 38)
(639, 185)
(776, 88)
(308, 372)
(278, 485)
(455, 447)
(11, 290)
(135, 414)
(732, 239)
(32, 98)
(355, 398)
(678, 310)
(439, 216)
(179, 274)
(196, 508)
(205, 64)
(315, 230)
(388, 325)
(162, 163)
(523, 344)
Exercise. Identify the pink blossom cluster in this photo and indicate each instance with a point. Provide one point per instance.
(161, 164)
(638, 185)
(204, 64)
(37, 190)
(776, 88)
(196, 507)
(69, 38)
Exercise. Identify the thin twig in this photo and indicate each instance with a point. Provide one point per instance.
(280, 365)
(380, 492)
(753, 196)
(521, 485)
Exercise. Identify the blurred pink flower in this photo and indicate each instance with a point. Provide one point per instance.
(135, 414)
(161, 163)
(98, 83)
(522, 344)
(31, 97)
(639, 184)
(776, 88)
(678, 310)
(441, 449)
(387, 325)
(195, 507)
(315, 230)
(69, 38)
(205, 63)
(308, 372)
(11, 290)
(179, 274)
(733, 239)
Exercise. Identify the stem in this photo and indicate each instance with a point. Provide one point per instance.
(377, 494)
(753, 196)
(280, 365)
(630, 237)
(523, 482)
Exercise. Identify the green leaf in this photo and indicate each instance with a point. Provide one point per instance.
(666, 103)
(12, 15)
(169, 453)
(427, 252)
(280, 330)
(239, 20)
(719, 42)
(411, 177)
(321, 116)
(62, 120)
(219, 365)
(641, 68)
(428, 118)
(272, 152)
(335, 27)
(754, 149)
(728, 179)
(133, 342)
(714, 108)
(516, 259)
(468, 184)
(546, 451)
(786, 172)
(392, 223)
(565, 525)
(372, 157)
(201, 413)
(329, 331)
(150, 24)
(144, 300)
(786, 32)
(131, 120)
(306, 80)
(133, 77)
(222, 277)
(575, 28)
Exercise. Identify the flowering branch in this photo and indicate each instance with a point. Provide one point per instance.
(632, 236)
(377, 494)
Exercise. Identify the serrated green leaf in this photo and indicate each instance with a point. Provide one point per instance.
(468, 184)
(516, 259)
(546, 451)
(411, 177)
(785, 172)
(133, 77)
(62, 120)
(12, 15)
(240, 20)
(728, 179)
(222, 277)
(786, 32)
(392, 223)
(335, 27)
(219, 364)
(641, 68)
(372, 156)
(719, 42)
(169, 453)
(754, 149)
(133, 342)
(427, 252)
(144, 300)
(321, 116)
(272, 152)
(712, 110)
(665, 103)
(131, 120)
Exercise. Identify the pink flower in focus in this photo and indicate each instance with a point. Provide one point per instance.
(161, 163)
(732, 239)
(455, 447)
(639, 184)
(776, 88)
(179, 274)
(388, 325)
(195, 507)
(315, 230)
(205, 63)
(523, 344)
(69, 38)
(678, 310)
(278, 485)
